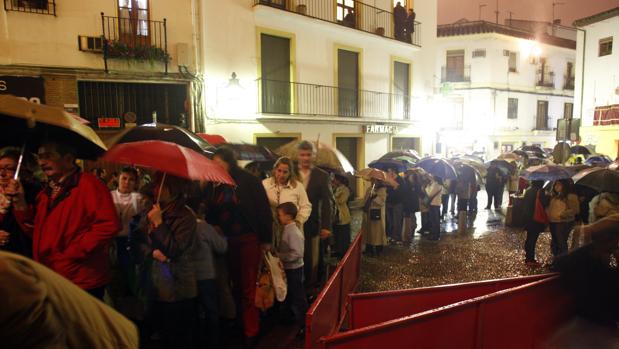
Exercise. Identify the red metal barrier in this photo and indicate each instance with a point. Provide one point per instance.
(328, 311)
(400, 303)
(519, 317)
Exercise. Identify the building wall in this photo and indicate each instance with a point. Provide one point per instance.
(484, 100)
(601, 74)
(231, 35)
(52, 41)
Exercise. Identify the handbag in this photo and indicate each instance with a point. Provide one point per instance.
(375, 214)
(540, 215)
(265, 294)
(278, 276)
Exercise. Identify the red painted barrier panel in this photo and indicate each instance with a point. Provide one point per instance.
(328, 311)
(519, 317)
(400, 303)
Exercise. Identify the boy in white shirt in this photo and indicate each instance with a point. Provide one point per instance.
(290, 252)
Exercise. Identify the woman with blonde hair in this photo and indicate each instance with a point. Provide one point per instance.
(283, 186)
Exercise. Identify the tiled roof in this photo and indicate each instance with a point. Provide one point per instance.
(597, 17)
(482, 27)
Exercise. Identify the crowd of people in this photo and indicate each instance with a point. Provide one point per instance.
(178, 258)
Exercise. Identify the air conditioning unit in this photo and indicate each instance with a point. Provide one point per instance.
(90, 43)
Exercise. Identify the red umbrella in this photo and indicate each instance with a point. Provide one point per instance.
(169, 158)
(212, 139)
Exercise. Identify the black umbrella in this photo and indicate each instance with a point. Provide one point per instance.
(398, 165)
(466, 173)
(438, 167)
(505, 166)
(579, 149)
(250, 152)
(407, 155)
(600, 179)
(162, 132)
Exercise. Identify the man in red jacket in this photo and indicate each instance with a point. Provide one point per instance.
(72, 221)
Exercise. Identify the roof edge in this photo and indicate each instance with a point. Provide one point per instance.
(598, 17)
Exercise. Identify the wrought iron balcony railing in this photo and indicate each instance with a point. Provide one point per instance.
(134, 38)
(460, 74)
(545, 78)
(294, 98)
(364, 17)
(43, 7)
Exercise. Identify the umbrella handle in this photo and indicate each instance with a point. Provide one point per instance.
(161, 187)
(20, 161)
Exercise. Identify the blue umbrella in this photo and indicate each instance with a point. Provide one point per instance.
(385, 164)
(597, 160)
(438, 167)
(546, 173)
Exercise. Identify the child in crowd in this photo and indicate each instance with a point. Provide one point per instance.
(290, 252)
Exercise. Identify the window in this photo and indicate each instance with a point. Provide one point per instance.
(98, 99)
(513, 62)
(507, 147)
(405, 143)
(133, 17)
(479, 53)
(512, 108)
(454, 70)
(541, 121)
(46, 7)
(568, 110)
(346, 12)
(606, 47)
(275, 69)
(401, 91)
(348, 83)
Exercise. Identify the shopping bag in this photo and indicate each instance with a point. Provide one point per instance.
(265, 294)
(278, 276)
(540, 215)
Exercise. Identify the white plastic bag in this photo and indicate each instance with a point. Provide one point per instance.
(278, 276)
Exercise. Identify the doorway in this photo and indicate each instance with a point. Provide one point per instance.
(348, 83)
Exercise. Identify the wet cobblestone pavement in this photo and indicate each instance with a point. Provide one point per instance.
(487, 250)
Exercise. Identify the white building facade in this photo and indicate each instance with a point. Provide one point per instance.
(501, 87)
(116, 63)
(302, 71)
(597, 81)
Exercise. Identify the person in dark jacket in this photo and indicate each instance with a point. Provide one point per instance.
(167, 237)
(532, 227)
(243, 215)
(409, 26)
(317, 228)
(495, 185)
(399, 19)
(73, 221)
(411, 194)
(394, 207)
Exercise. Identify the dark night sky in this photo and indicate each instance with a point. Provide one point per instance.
(450, 11)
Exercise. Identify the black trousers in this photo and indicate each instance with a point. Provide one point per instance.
(295, 297)
(531, 241)
(208, 299)
(342, 238)
(174, 321)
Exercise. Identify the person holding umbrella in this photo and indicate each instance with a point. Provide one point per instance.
(533, 228)
(562, 211)
(433, 199)
(341, 228)
(373, 225)
(72, 222)
(167, 236)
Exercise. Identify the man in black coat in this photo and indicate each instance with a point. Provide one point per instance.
(243, 215)
(317, 228)
(532, 227)
(399, 19)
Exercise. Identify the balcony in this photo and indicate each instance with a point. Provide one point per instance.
(456, 74)
(545, 78)
(43, 7)
(294, 98)
(569, 83)
(367, 18)
(135, 39)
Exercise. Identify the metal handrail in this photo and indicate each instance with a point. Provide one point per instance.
(450, 74)
(141, 39)
(296, 98)
(367, 18)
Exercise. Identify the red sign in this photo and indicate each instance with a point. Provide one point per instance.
(108, 122)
